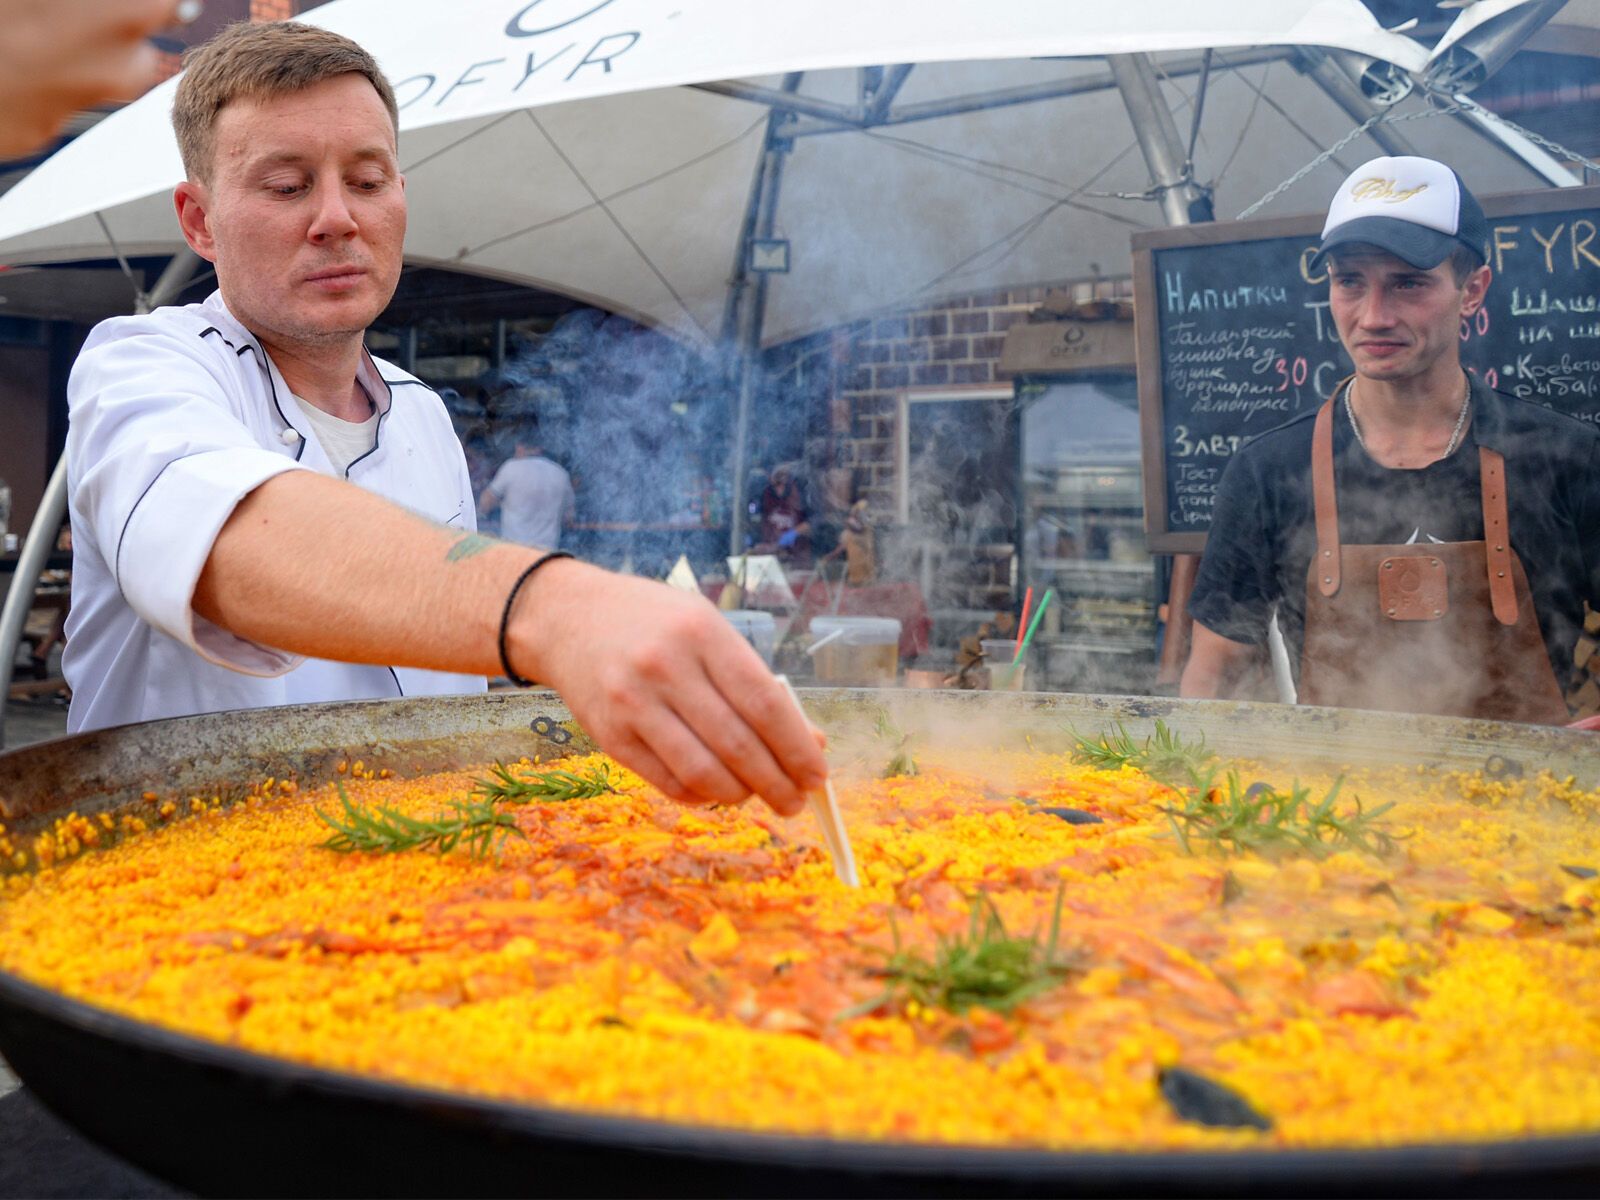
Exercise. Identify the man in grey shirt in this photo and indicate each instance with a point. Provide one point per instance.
(534, 495)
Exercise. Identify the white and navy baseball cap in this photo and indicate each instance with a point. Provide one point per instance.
(1414, 208)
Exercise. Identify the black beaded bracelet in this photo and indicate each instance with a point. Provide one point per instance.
(505, 616)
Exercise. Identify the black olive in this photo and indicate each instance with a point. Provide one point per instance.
(1580, 872)
(1206, 1102)
(1075, 816)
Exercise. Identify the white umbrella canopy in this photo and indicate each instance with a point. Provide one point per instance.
(556, 144)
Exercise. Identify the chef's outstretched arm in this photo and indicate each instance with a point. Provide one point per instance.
(1215, 665)
(317, 566)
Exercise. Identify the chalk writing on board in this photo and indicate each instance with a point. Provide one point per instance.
(1244, 339)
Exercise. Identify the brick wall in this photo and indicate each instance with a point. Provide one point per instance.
(849, 381)
(870, 362)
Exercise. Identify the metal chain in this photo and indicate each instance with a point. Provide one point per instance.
(1375, 119)
(1440, 104)
(1462, 104)
(141, 298)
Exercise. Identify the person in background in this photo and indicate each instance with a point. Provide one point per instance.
(533, 494)
(1426, 543)
(220, 560)
(859, 547)
(59, 57)
(785, 520)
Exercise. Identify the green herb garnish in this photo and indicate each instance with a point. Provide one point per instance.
(381, 830)
(1261, 819)
(1164, 755)
(984, 966)
(547, 785)
(901, 763)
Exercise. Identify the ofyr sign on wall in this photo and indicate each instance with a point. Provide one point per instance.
(1057, 347)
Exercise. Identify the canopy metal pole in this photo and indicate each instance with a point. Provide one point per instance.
(1481, 52)
(1157, 133)
(1536, 159)
(53, 507)
(1343, 91)
(842, 121)
(760, 221)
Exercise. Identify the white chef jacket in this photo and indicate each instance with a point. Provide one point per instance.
(175, 417)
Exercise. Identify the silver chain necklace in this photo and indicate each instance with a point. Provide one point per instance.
(1455, 434)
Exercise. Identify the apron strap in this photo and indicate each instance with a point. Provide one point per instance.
(1497, 536)
(1323, 497)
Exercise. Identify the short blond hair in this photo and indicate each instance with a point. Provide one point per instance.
(258, 61)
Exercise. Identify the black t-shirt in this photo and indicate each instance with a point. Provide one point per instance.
(1263, 527)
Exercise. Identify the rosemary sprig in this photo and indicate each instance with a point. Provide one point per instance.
(1164, 756)
(901, 762)
(984, 966)
(382, 830)
(1261, 819)
(504, 786)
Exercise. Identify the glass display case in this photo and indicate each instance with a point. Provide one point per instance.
(1083, 532)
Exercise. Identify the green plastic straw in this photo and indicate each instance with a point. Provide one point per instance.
(1033, 628)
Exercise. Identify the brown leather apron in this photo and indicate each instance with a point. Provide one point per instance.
(1444, 628)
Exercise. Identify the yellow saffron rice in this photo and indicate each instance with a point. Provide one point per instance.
(632, 956)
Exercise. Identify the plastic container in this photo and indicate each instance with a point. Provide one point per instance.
(997, 656)
(756, 627)
(858, 650)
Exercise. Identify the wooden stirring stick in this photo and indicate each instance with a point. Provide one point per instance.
(826, 808)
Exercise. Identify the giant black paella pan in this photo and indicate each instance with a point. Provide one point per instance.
(225, 1121)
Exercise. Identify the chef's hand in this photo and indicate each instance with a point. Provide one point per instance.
(665, 685)
(58, 57)
(1590, 723)
(788, 538)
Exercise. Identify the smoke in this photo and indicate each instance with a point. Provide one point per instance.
(639, 420)
(885, 224)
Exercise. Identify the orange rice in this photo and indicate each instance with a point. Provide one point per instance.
(632, 956)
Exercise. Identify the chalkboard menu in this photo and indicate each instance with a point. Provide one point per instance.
(1234, 337)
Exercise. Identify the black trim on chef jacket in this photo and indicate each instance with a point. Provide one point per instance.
(377, 432)
(261, 360)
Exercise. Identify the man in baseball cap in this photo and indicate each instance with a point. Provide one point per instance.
(1437, 554)
(1414, 208)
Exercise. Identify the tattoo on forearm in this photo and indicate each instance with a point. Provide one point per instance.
(473, 543)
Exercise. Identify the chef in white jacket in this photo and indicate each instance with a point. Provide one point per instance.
(265, 514)
(176, 416)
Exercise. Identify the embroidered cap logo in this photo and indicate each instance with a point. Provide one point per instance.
(1386, 190)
